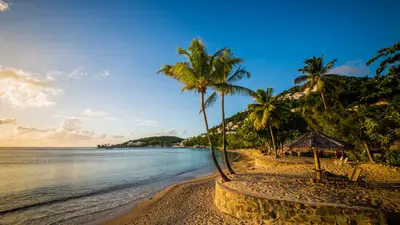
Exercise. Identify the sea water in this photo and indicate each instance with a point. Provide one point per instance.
(78, 185)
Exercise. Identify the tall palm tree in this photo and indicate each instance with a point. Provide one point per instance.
(224, 86)
(313, 72)
(197, 74)
(264, 112)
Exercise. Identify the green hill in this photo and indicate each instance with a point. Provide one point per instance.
(159, 141)
(360, 110)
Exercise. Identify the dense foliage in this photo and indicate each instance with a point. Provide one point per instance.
(361, 110)
(147, 141)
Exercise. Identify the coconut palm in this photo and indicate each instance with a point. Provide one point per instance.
(197, 75)
(313, 72)
(392, 55)
(224, 86)
(264, 113)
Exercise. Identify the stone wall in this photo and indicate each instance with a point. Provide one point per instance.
(252, 207)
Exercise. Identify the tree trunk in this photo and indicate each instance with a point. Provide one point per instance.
(368, 150)
(273, 140)
(323, 100)
(224, 135)
(224, 177)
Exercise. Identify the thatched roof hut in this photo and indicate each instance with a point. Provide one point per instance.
(316, 141)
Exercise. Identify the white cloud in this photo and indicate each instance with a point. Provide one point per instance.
(147, 123)
(105, 73)
(21, 89)
(69, 129)
(168, 132)
(77, 74)
(3, 6)
(71, 125)
(25, 130)
(98, 113)
(73, 117)
(351, 68)
(7, 120)
(118, 136)
(51, 74)
(70, 135)
(70, 132)
(49, 77)
(91, 112)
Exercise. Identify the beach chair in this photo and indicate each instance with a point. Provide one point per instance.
(354, 174)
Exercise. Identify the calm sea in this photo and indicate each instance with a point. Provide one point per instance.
(80, 185)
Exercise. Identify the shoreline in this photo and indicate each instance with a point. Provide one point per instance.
(143, 207)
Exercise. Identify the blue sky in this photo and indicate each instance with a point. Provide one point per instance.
(99, 59)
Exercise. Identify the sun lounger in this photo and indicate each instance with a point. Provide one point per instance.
(354, 174)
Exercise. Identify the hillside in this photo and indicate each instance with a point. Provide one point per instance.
(158, 141)
(361, 110)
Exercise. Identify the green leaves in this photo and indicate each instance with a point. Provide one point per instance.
(301, 79)
(393, 57)
(211, 100)
(264, 110)
(239, 74)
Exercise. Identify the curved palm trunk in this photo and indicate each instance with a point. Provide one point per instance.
(224, 135)
(323, 100)
(273, 140)
(224, 177)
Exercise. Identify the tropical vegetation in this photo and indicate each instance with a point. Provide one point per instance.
(364, 111)
(313, 73)
(265, 113)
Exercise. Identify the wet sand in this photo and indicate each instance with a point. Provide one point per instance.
(191, 202)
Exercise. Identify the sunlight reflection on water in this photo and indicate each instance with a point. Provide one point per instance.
(55, 185)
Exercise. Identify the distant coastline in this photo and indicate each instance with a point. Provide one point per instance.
(151, 142)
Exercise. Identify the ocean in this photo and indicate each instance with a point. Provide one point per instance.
(83, 185)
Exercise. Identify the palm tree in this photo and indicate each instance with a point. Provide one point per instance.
(313, 72)
(264, 112)
(392, 55)
(197, 75)
(224, 86)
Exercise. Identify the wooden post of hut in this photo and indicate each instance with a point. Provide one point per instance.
(317, 164)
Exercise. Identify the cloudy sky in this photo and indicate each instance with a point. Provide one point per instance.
(79, 73)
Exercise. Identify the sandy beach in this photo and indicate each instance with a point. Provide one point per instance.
(193, 202)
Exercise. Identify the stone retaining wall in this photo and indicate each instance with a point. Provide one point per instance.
(252, 207)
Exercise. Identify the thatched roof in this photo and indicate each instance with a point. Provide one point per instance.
(319, 141)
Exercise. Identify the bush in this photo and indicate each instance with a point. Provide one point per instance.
(358, 155)
(392, 157)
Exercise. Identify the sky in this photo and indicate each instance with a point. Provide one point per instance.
(81, 73)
